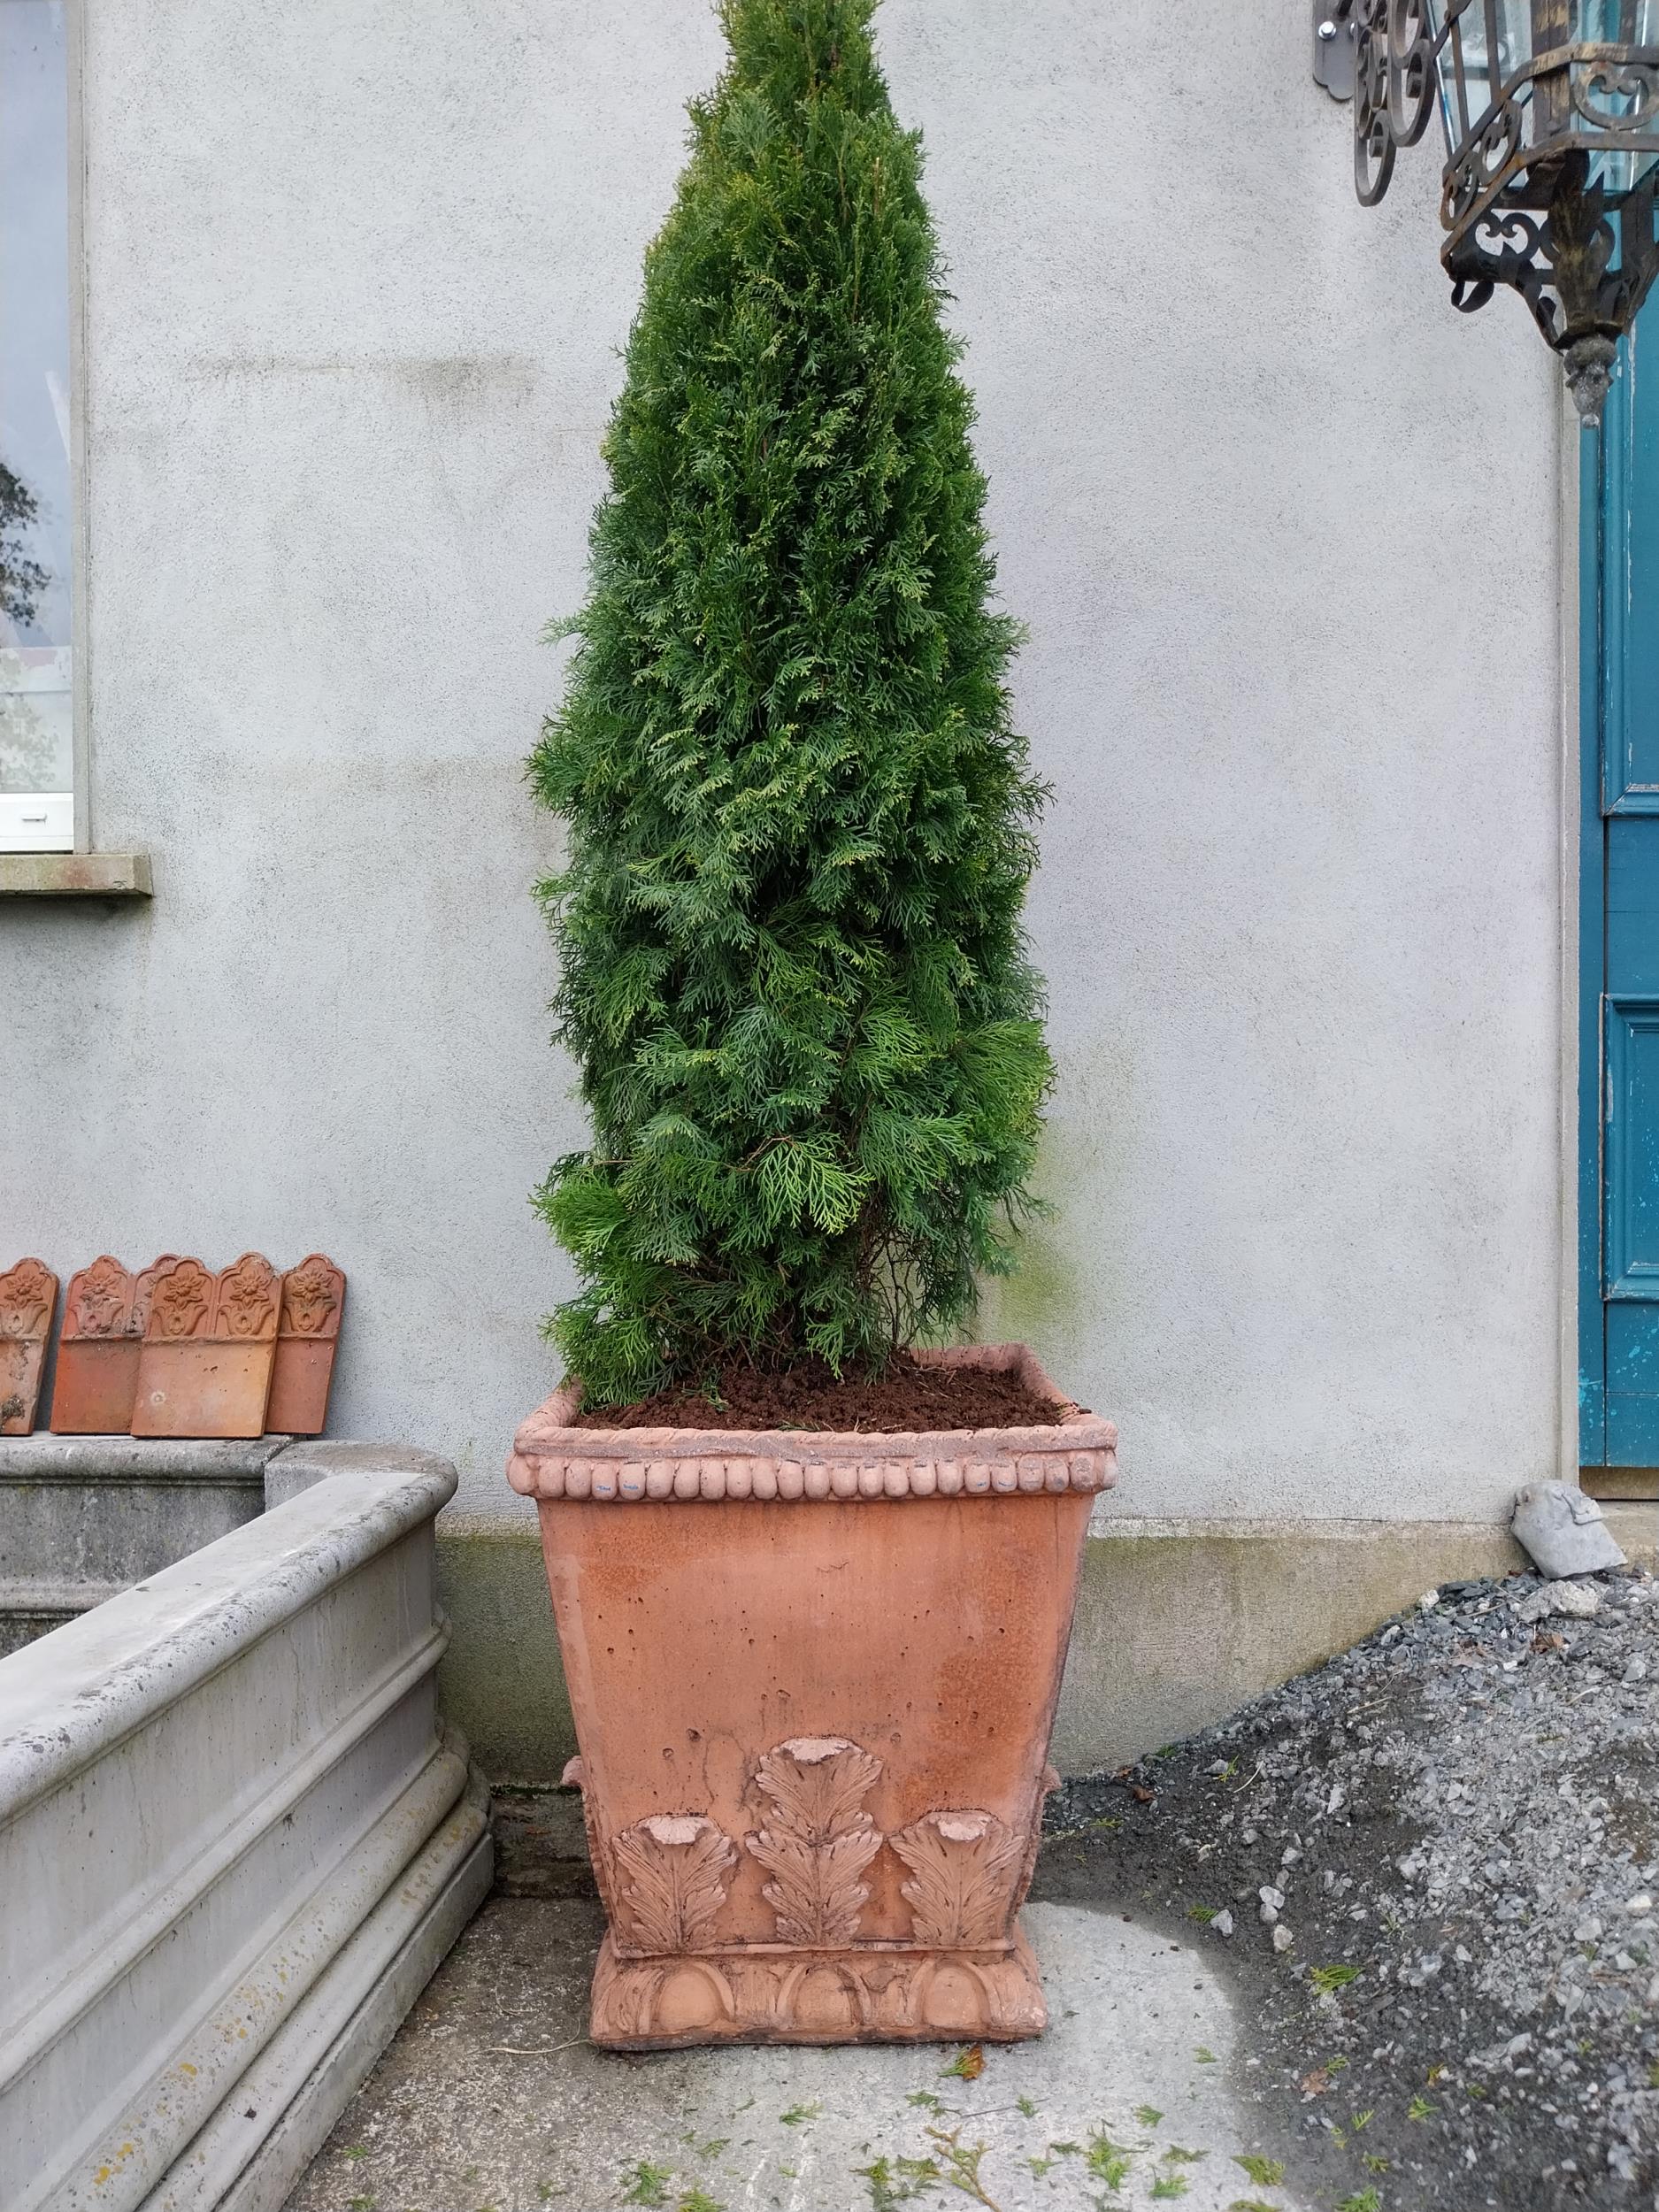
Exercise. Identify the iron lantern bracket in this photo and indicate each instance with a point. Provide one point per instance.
(1335, 48)
(1524, 204)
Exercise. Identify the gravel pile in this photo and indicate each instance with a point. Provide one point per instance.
(1432, 1869)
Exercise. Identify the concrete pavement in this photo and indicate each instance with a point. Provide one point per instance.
(491, 2100)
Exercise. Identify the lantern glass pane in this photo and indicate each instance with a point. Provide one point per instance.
(1612, 22)
(1486, 42)
(1489, 40)
(1622, 23)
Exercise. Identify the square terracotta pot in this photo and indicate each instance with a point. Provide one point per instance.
(813, 1678)
(208, 1347)
(28, 1298)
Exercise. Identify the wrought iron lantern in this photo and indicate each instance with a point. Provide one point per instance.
(1551, 114)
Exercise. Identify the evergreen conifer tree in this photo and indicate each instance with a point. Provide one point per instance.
(792, 969)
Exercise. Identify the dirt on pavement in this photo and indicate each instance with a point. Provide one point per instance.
(1432, 1868)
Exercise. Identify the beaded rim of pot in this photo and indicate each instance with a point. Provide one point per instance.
(551, 1460)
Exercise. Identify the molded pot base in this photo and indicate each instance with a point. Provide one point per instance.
(813, 1676)
(838, 1996)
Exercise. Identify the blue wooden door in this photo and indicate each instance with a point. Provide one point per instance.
(1619, 1085)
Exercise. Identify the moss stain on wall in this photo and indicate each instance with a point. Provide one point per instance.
(1070, 1286)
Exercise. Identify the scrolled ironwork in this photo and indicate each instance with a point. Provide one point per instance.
(1582, 267)
(1394, 89)
(1478, 173)
(1548, 186)
(1413, 88)
(1635, 82)
(1373, 140)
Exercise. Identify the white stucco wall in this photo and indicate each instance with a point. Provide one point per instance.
(1283, 526)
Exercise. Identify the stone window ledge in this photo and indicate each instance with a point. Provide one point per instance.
(75, 876)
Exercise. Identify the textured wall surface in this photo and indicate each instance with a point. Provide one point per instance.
(1282, 525)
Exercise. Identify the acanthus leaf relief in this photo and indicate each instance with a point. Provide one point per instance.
(964, 1877)
(818, 1841)
(673, 1872)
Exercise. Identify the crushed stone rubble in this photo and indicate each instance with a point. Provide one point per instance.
(1433, 1865)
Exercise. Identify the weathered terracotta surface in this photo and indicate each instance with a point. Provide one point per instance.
(209, 1347)
(96, 1376)
(98, 1353)
(552, 1460)
(29, 1297)
(308, 1334)
(814, 1715)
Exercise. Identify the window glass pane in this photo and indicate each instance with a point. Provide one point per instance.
(36, 745)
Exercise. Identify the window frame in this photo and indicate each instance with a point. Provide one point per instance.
(81, 745)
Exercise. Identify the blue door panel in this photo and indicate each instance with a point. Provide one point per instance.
(1632, 923)
(1632, 1410)
(1632, 875)
(1634, 954)
(1619, 925)
(1632, 1343)
(1592, 959)
(1633, 1428)
(1631, 608)
(1629, 589)
(1632, 1155)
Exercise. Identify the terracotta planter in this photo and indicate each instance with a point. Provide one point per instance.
(813, 1678)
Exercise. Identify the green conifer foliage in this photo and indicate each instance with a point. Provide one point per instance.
(800, 824)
